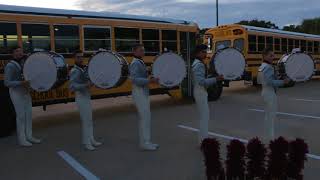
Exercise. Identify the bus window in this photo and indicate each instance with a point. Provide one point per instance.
(290, 45)
(169, 40)
(226, 43)
(252, 43)
(66, 38)
(126, 38)
(296, 43)
(303, 44)
(8, 37)
(239, 44)
(284, 45)
(261, 43)
(316, 47)
(277, 45)
(96, 37)
(269, 40)
(183, 43)
(35, 36)
(310, 46)
(151, 40)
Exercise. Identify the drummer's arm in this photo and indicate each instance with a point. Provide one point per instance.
(199, 72)
(270, 78)
(9, 73)
(134, 75)
(74, 85)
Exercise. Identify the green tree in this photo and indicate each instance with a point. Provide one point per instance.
(259, 23)
(309, 26)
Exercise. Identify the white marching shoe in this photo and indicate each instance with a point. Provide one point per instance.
(149, 147)
(34, 140)
(95, 143)
(89, 147)
(25, 144)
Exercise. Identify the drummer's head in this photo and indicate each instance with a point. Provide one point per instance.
(17, 53)
(201, 51)
(78, 57)
(268, 55)
(138, 50)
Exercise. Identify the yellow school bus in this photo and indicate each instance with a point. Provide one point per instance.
(64, 31)
(252, 40)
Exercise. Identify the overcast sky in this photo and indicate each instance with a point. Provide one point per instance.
(282, 12)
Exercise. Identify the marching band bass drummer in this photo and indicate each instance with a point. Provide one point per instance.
(267, 77)
(201, 83)
(140, 93)
(80, 84)
(20, 96)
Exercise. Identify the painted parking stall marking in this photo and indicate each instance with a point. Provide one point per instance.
(77, 166)
(288, 114)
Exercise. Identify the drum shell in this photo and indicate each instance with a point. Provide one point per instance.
(62, 74)
(124, 70)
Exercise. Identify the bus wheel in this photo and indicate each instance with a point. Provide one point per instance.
(7, 113)
(214, 92)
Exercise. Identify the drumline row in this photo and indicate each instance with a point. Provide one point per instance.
(107, 69)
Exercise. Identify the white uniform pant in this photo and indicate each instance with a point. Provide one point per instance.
(83, 101)
(142, 103)
(22, 102)
(201, 97)
(271, 107)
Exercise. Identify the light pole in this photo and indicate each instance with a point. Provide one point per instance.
(217, 11)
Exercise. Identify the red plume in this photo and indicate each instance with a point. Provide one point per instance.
(235, 163)
(298, 150)
(256, 155)
(278, 160)
(211, 151)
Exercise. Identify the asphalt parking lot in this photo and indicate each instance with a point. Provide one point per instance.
(238, 114)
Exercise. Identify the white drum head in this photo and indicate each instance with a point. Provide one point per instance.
(170, 68)
(105, 70)
(41, 71)
(230, 63)
(299, 66)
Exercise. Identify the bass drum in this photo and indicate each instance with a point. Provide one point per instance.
(298, 66)
(45, 71)
(107, 69)
(228, 62)
(170, 68)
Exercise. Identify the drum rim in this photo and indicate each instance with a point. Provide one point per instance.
(185, 64)
(114, 54)
(222, 49)
(290, 54)
(47, 53)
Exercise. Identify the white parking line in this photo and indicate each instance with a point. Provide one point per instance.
(77, 166)
(306, 100)
(312, 156)
(213, 134)
(288, 114)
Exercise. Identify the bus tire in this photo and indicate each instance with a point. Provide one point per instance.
(7, 113)
(214, 92)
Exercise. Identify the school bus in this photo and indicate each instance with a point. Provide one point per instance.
(252, 40)
(64, 31)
